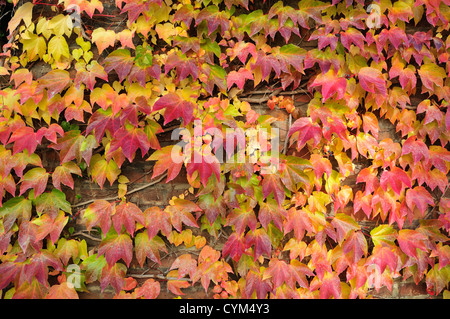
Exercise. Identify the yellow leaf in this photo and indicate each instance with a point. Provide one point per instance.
(165, 31)
(57, 47)
(35, 46)
(42, 28)
(61, 25)
(24, 13)
(103, 38)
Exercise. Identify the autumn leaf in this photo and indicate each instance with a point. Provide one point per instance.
(167, 159)
(410, 240)
(396, 178)
(419, 197)
(150, 289)
(372, 80)
(238, 77)
(205, 164)
(115, 247)
(113, 275)
(330, 84)
(175, 286)
(35, 178)
(431, 74)
(62, 291)
(63, 174)
(126, 215)
(307, 130)
(129, 139)
(99, 213)
(174, 107)
(146, 247)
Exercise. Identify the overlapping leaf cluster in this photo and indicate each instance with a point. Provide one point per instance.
(292, 230)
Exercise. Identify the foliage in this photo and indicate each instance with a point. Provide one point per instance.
(295, 231)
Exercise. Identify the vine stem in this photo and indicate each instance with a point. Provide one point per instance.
(157, 276)
(117, 197)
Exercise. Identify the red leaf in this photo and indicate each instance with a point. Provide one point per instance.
(175, 285)
(24, 138)
(168, 158)
(271, 183)
(180, 212)
(185, 66)
(175, 107)
(234, 246)
(69, 146)
(417, 148)
(396, 178)
(214, 17)
(240, 218)
(54, 81)
(129, 139)
(270, 211)
(330, 286)
(356, 245)
(255, 283)
(419, 197)
(63, 174)
(113, 275)
(149, 290)
(261, 240)
(298, 221)
(99, 213)
(307, 130)
(239, 78)
(120, 61)
(205, 165)
(330, 84)
(185, 265)
(148, 248)
(127, 214)
(368, 176)
(62, 291)
(372, 80)
(157, 220)
(116, 247)
(410, 240)
(35, 178)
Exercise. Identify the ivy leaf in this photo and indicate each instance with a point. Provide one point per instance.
(51, 202)
(432, 74)
(127, 214)
(113, 275)
(62, 291)
(298, 221)
(213, 17)
(261, 240)
(24, 13)
(293, 172)
(63, 174)
(24, 138)
(396, 178)
(271, 183)
(410, 240)
(157, 220)
(270, 211)
(102, 120)
(368, 176)
(330, 84)
(344, 224)
(54, 82)
(330, 286)
(185, 265)
(115, 247)
(307, 130)
(129, 139)
(175, 286)
(240, 218)
(205, 165)
(16, 208)
(148, 247)
(165, 161)
(355, 245)
(238, 78)
(254, 282)
(51, 226)
(372, 80)
(120, 61)
(417, 148)
(175, 107)
(102, 169)
(180, 212)
(99, 213)
(38, 267)
(184, 65)
(35, 178)
(149, 290)
(69, 146)
(384, 235)
(103, 39)
(234, 246)
(419, 197)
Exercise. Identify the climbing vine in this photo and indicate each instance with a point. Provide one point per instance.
(292, 223)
